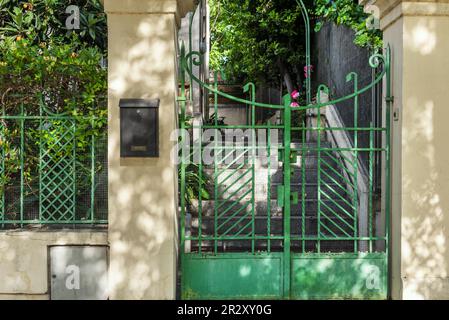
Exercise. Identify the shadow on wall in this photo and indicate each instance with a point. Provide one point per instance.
(142, 192)
(425, 165)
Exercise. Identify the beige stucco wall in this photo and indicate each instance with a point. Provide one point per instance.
(142, 192)
(24, 259)
(425, 154)
(419, 36)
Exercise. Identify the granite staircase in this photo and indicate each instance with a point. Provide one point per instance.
(244, 189)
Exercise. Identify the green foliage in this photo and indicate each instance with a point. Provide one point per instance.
(253, 39)
(66, 74)
(196, 183)
(44, 20)
(42, 63)
(11, 159)
(350, 14)
(264, 40)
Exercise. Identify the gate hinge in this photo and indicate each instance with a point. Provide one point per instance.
(389, 99)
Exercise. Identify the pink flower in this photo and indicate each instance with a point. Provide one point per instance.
(307, 70)
(295, 94)
(294, 104)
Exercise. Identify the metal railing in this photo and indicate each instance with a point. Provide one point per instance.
(53, 165)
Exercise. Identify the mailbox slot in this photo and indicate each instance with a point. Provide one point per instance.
(139, 128)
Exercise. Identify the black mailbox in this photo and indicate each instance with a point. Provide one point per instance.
(139, 128)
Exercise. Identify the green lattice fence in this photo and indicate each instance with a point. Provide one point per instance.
(53, 166)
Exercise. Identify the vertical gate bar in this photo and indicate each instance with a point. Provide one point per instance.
(318, 246)
(92, 173)
(248, 114)
(287, 200)
(2, 167)
(182, 100)
(370, 187)
(215, 163)
(253, 108)
(303, 184)
(74, 169)
(388, 100)
(200, 196)
(192, 15)
(269, 187)
(253, 156)
(356, 160)
(318, 132)
(41, 218)
(22, 149)
(356, 165)
(183, 159)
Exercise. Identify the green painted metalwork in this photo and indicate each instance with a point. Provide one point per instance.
(313, 276)
(347, 275)
(2, 169)
(312, 233)
(65, 186)
(256, 275)
(287, 191)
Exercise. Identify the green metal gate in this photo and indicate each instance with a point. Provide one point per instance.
(285, 209)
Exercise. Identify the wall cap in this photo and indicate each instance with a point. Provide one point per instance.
(177, 7)
(392, 10)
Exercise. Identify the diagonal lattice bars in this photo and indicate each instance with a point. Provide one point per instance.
(57, 172)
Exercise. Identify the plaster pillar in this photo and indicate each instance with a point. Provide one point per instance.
(418, 33)
(142, 63)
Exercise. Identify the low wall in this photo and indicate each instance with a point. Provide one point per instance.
(24, 259)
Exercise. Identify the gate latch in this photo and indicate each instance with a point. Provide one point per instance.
(280, 197)
(294, 197)
(293, 156)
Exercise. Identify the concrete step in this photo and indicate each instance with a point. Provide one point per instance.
(242, 163)
(228, 208)
(329, 246)
(238, 191)
(330, 189)
(240, 185)
(276, 227)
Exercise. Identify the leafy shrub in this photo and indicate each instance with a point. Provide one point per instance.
(46, 68)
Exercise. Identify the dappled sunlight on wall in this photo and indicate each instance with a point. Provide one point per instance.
(421, 38)
(142, 192)
(425, 155)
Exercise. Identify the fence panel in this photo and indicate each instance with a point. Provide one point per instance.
(53, 166)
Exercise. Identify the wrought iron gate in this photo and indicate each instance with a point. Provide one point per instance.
(285, 208)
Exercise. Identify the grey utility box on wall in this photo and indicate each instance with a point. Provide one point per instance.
(78, 272)
(139, 128)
